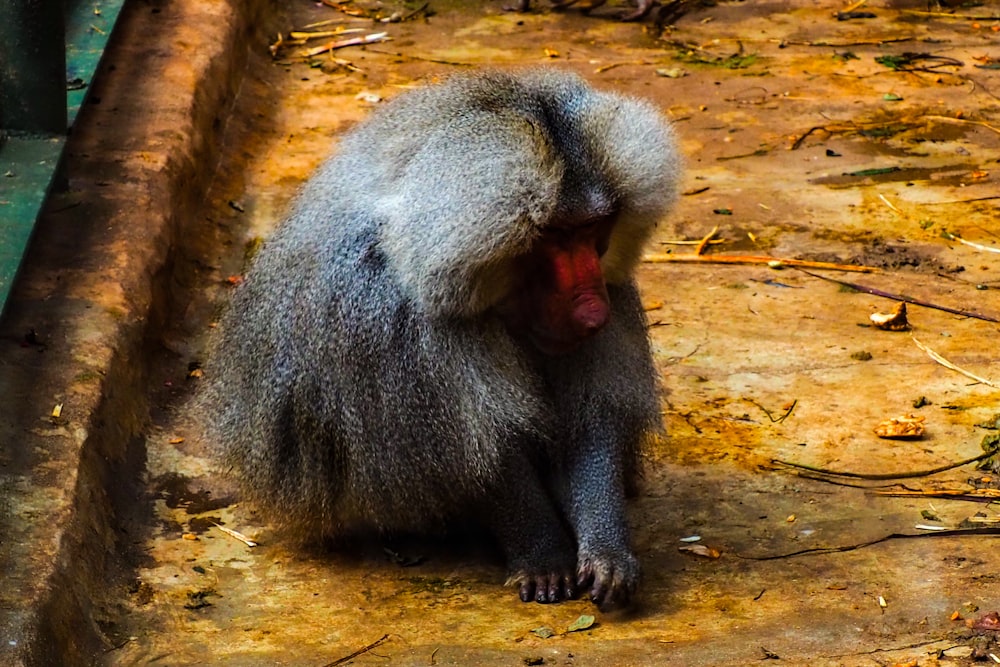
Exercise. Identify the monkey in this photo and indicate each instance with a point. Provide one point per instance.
(446, 330)
(640, 12)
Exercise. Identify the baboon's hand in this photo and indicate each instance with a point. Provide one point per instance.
(545, 587)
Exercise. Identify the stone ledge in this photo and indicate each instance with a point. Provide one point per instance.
(89, 301)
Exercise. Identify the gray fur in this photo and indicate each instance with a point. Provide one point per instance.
(363, 376)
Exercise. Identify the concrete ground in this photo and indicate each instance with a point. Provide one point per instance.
(799, 145)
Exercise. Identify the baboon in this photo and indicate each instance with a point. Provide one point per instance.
(446, 329)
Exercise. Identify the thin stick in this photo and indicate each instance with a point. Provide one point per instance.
(862, 42)
(990, 530)
(681, 242)
(889, 204)
(611, 66)
(360, 651)
(354, 41)
(883, 476)
(959, 201)
(303, 35)
(947, 364)
(946, 15)
(899, 297)
(774, 262)
(775, 420)
(977, 246)
(320, 24)
(978, 495)
(704, 242)
(236, 535)
(962, 121)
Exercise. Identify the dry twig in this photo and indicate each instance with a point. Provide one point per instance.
(354, 41)
(706, 240)
(236, 535)
(361, 651)
(990, 495)
(773, 262)
(899, 297)
(947, 364)
(961, 532)
(883, 476)
(977, 246)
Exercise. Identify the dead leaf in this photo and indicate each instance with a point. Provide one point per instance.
(894, 321)
(585, 621)
(906, 427)
(700, 550)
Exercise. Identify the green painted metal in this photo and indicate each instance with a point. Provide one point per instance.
(88, 29)
(26, 170)
(40, 97)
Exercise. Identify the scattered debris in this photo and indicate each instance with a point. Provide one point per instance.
(700, 550)
(769, 655)
(894, 321)
(977, 246)
(544, 632)
(404, 560)
(773, 262)
(906, 427)
(990, 621)
(917, 62)
(990, 495)
(368, 97)
(671, 73)
(947, 364)
(237, 535)
(354, 41)
(584, 622)
(888, 203)
(700, 248)
(361, 651)
(198, 599)
(813, 551)
(888, 476)
(776, 420)
(848, 16)
(899, 297)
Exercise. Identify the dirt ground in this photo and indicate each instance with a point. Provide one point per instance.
(799, 145)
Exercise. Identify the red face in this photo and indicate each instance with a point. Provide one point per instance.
(561, 299)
